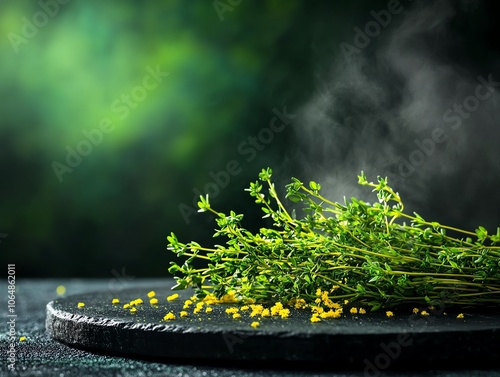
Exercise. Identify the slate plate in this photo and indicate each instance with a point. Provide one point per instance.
(371, 341)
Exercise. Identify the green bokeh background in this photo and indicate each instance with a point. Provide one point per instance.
(230, 63)
(115, 209)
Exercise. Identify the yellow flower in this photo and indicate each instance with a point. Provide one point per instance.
(266, 313)
(389, 314)
(331, 314)
(200, 305)
(255, 324)
(169, 316)
(362, 311)
(315, 318)
(461, 315)
(317, 309)
(229, 298)
(284, 313)
(244, 308)
(415, 310)
(183, 314)
(153, 301)
(151, 294)
(173, 297)
(354, 310)
(133, 310)
(208, 309)
(346, 302)
(335, 287)
(81, 304)
(22, 338)
(318, 292)
(232, 310)
(275, 310)
(236, 315)
(187, 304)
(256, 310)
(193, 298)
(196, 310)
(115, 301)
(138, 301)
(424, 313)
(300, 303)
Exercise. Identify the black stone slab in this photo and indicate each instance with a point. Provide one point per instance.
(370, 341)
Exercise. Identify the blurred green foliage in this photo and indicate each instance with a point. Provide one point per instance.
(117, 206)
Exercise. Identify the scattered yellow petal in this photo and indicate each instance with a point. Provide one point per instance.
(354, 311)
(236, 315)
(315, 318)
(265, 313)
(208, 309)
(22, 338)
(173, 297)
(138, 301)
(255, 324)
(183, 314)
(276, 308)
(126, 306)
(133, 310)
(232, 310)
(151, 294)
(81, 304)
(60, 290)
(244, 308)
(389, 314)
(115, 301)
(461, 315)
(331, 314)
(170, 316)
(153, 301)
(415, 310)
(300, 303)
(424, 313)
(284, 313)
(196, 310)
(200, 305)
(317, 309)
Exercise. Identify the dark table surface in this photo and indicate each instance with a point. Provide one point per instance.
(40, 355)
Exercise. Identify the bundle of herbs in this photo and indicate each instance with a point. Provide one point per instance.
(372, 254)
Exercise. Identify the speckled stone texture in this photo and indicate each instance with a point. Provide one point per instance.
(41, 355)
(402, 341)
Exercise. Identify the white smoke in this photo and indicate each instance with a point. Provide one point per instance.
(375, 110)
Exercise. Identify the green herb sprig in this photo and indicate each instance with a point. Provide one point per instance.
(374, 254)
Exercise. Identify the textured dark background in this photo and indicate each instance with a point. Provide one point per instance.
(110, 216)
(40, 356)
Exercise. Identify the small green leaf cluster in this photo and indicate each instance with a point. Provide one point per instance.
(375, 254)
